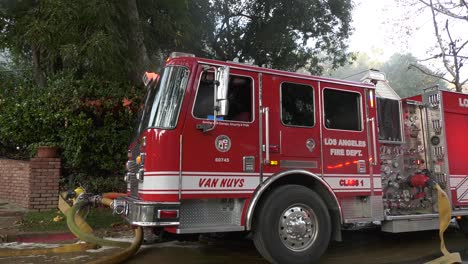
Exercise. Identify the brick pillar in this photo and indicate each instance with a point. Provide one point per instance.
(44, 183)
(14, 181)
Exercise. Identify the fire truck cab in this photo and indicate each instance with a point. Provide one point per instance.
(290, 157)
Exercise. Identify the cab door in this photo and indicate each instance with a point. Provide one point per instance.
(223, 161)
(347, 148)
(291, 126)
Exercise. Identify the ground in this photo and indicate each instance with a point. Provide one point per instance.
(10, 219)
(362, 246)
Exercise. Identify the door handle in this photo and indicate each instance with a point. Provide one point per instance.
(266, 111)
(374, 141)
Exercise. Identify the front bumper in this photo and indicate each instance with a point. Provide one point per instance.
(143, 213)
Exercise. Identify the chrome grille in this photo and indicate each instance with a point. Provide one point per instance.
(133, 186)
(133, 169)
(136, 150)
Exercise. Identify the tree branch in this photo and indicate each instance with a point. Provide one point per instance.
(452, 48)
(240, 14)
(215, 43)
(431, 58)
(463, 83)
(439, 39)
(462, 46)
(459, 56)
(427, 72)
(441, 9)
(464, 3)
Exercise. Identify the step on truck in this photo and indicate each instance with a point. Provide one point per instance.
(291, 158)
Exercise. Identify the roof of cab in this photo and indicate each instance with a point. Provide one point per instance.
(254, 68)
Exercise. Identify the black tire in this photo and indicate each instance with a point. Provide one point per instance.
(288, 209)
(463, 225)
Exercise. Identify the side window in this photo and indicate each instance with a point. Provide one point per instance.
(239, 97)
(342, 110)
(297, 105)
(388, 113)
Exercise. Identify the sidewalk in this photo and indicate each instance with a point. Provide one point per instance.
(10, 220)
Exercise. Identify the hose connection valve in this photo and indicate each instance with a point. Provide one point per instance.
(119, 206)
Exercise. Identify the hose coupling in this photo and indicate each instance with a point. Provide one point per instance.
(95, 200)
(119, 206)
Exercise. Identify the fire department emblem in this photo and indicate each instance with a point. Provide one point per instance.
(223, 143)
(310, 144)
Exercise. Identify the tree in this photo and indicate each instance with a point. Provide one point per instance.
(82, 50)
(180, 25)
(136, 40)
(399, 71)
(282, 34)
(109, 39)
(79, 65)
(403, 77)
(81, 61)
(449, 19)
(355, 69)
(57, 36)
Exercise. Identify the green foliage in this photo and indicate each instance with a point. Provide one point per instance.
(95, 184)
(27, 116)
(282, 34)
(85, 118)
(44, 221)
(79, 36)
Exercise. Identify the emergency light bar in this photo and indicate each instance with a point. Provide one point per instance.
(181, 54)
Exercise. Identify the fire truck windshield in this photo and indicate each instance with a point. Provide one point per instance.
(163, 101)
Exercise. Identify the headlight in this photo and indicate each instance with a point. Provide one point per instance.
(128, 176)
(140, 174)
(129, 164)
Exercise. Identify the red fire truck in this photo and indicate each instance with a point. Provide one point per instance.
(292, 158)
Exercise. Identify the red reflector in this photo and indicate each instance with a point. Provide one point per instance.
(168, 214)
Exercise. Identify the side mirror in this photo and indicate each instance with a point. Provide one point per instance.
(222, 85)
(223, 107)
(221, 103)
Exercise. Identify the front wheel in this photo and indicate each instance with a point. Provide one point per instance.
(292, 226)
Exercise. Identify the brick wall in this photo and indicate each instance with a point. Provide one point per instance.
(14, 181)
(31, 184)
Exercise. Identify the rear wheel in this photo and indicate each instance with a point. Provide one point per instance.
(463, 225)
(292, 226)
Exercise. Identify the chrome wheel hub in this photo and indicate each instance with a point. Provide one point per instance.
(298, 227)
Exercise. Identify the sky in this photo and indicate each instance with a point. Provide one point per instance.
(385, 27)
(377, 32)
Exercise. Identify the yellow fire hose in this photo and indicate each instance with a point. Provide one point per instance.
(129, 250)
(64, 207)
(83, 231)
(445, 214)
